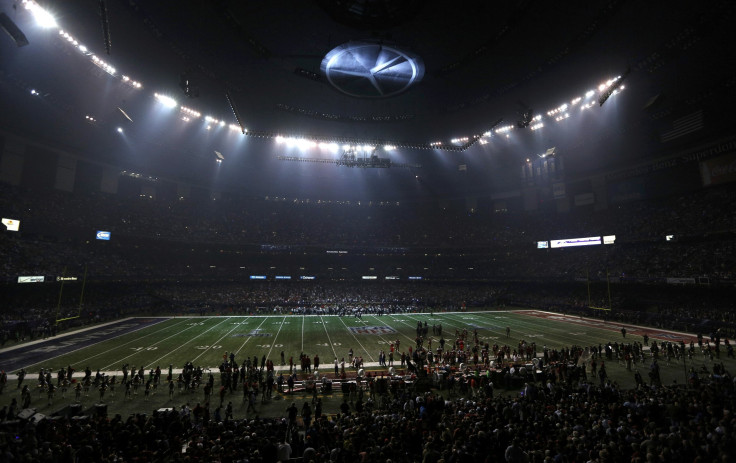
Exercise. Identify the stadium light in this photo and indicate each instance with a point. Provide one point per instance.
(166, 101)
(43, 18)
(190, 112)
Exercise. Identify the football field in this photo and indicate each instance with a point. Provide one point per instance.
(153, 342)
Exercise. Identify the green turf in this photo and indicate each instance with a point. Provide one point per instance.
(205, 340)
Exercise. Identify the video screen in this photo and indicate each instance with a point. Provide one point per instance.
(571, 242)
(11, 224)
(103, 235)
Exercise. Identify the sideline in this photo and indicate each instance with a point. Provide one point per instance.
(68, 333)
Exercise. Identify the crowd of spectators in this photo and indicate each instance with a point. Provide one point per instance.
(561, 418)
(277, 221)
(182, 239)
(183, 256)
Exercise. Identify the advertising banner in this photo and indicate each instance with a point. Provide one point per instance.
(719, 170)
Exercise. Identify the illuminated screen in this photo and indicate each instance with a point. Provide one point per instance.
(11, 224)
(31, 279)
(542, 244)
(103, 235)
(570, 242)
(609, 239)
(258, 277)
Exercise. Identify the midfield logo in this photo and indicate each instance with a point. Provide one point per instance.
(372, 330)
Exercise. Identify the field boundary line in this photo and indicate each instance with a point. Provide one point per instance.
(94, 344)
(72, 333)
(615, 326)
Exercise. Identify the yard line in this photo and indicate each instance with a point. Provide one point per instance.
(361, 345)
(250, 337)
(397, 331)
(389, 342)
(216, 342)
(328, 335)
(268, 356)
(184, 344)
(302, 332)
(105, 340)
(413, 327)
(162, 340)
(442, 317)
(529, 325)
(520, 329)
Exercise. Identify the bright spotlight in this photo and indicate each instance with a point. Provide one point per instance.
(120, 130)
(43, 18)
(165, 100)
(34, 92)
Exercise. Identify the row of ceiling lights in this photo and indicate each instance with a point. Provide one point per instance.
(559, 114)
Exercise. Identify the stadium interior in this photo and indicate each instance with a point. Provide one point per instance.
(551, 182)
